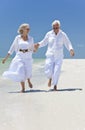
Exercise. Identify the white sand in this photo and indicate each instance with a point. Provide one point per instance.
(40, 109)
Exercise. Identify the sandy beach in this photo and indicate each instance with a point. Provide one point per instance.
(41, 108)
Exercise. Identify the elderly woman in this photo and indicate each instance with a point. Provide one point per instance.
(55, 39)
(21, 66)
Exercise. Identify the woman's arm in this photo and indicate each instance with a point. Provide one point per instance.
(13, 48)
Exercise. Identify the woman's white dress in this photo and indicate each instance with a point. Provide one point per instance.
(20, 68)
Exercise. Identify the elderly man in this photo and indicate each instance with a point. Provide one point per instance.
(55, 39)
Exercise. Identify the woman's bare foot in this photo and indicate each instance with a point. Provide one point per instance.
(22, 91)
(49, 82)
(30, 85)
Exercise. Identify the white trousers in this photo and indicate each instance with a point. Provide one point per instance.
(53, 68)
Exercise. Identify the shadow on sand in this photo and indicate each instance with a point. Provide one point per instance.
(30, 91)
(50, 90)
(67, 89)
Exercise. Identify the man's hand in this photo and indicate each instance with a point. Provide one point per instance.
(72, 52)
(4, 60)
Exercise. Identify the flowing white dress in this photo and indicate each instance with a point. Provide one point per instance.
(20, 68)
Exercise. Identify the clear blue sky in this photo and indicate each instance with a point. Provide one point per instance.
(40, 14)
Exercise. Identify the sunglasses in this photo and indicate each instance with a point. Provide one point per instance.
(27, 29)
(56, 28)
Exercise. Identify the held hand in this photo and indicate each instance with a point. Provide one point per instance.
(34, 50)
(36, 46)
(72, 52)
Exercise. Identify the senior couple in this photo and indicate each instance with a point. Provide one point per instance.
(20, 68)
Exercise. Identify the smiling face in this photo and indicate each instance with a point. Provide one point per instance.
(56, 28)
(25, 30)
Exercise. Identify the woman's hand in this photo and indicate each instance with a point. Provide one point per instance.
(4, 60)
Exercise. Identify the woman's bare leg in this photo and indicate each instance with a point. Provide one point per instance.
(30, 84)
(23, 86)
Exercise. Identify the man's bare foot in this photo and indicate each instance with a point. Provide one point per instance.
(49, 82)
(55, 88)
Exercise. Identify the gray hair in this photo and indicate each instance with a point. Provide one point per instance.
(56, 22)
(21, 27)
